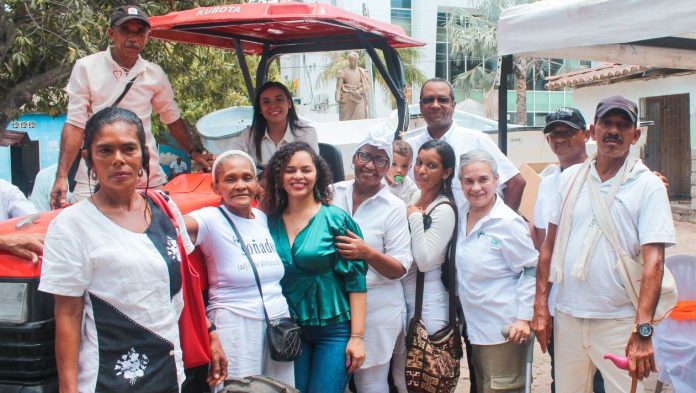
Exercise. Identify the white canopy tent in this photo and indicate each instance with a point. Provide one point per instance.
(657, 33)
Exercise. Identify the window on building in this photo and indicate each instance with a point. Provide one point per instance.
(401, 14)
(446, 65)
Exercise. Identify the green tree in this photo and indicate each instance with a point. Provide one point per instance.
(409, 58)
(40, 40)
(472, 34)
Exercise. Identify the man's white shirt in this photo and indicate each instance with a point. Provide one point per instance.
(642, 215)
(464, 140)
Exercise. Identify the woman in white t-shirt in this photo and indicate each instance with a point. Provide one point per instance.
(235, 305)
(113, 263)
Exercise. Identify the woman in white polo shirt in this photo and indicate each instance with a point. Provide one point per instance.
(387, 251)
(235, 305)
(496, 278)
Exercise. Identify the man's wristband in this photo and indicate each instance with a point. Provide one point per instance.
(194, 149)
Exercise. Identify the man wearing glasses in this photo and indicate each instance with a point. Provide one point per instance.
(118, 76)
(437, 106)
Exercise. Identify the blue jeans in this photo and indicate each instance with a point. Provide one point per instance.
(322, 366)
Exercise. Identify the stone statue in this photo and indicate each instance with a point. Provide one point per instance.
(352, 88)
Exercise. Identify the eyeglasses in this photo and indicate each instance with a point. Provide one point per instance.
(442, 100)
(379, 161)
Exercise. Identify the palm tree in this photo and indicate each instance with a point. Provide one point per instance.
(409, 57)
(472, 34)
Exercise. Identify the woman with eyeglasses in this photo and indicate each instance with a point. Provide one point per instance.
(275, 124)
(387, 250)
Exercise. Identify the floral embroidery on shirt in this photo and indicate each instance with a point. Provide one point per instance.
(173, 249)
(132, 365)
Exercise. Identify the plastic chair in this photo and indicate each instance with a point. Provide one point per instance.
(674, 343)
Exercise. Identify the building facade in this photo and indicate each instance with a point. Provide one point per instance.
(423, 20)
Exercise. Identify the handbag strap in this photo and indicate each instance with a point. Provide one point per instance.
(72, 172)
(451, 272)
(125, 91)
(245, 250)
(600, 206)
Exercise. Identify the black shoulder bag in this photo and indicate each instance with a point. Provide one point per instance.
(432, 362)
(76, 162)
(283, 334)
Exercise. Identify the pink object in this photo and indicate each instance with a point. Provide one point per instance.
(619, 361)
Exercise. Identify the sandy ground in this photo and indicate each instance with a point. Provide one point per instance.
(541, 374)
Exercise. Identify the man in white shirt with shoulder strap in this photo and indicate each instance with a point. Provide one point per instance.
(594, 313)
(98, 81)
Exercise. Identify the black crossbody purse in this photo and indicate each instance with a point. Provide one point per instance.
(283, 334)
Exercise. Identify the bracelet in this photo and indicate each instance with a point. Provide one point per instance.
(194, 149)
(358, 336)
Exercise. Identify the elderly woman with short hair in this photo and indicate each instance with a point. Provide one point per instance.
(495, 277)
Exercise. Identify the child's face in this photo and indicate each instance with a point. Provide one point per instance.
(400, 165)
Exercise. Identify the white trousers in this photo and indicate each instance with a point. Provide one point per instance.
(244, 342)
(579, 348)
(373, 379)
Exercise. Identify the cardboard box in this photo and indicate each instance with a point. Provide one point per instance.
(531, 172)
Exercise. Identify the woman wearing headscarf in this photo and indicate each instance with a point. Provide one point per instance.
(386, 249)
(235, 305)
(496, 280)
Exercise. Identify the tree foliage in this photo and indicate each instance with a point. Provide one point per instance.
(40, 40)
(472, 33)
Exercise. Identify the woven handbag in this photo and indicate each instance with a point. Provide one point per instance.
(433, 362)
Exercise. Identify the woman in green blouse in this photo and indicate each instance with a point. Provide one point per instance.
(326, 293)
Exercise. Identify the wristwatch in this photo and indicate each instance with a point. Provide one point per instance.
(211, 328)
(191, 150)
(644, 330)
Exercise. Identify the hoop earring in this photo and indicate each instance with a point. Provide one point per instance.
(93, 175)
(140, 172)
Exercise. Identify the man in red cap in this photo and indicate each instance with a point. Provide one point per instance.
(119, 76)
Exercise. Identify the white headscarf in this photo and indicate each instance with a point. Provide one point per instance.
(230, 153)
(381, 137)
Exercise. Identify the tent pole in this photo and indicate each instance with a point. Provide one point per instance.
(505, 71)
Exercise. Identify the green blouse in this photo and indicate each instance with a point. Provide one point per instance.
(317, 279)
